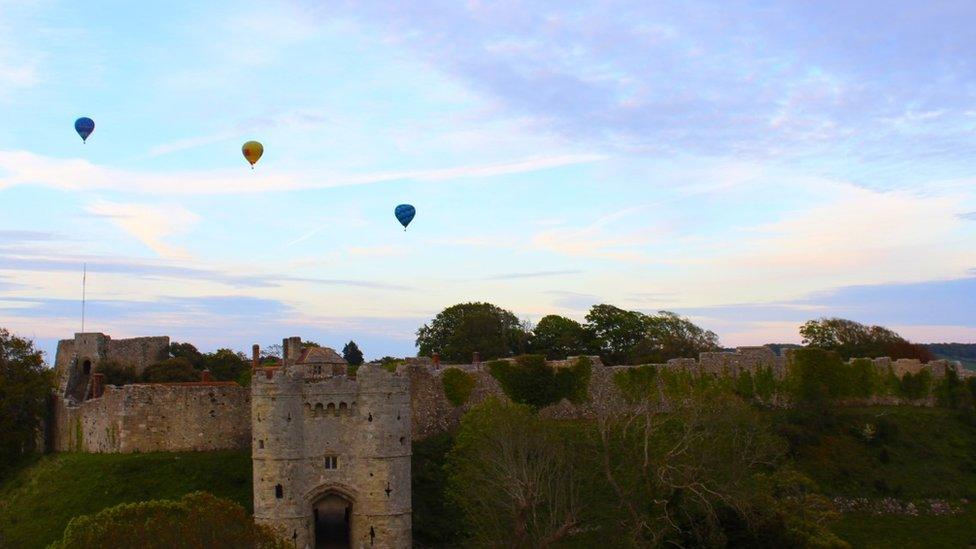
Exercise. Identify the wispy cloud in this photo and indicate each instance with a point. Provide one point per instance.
(26, 168)
(535, 274)
(149, 223)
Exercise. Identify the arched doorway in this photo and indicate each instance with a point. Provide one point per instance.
(333, 514)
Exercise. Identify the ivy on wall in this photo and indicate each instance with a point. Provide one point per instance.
(458, 385)
(529, 380)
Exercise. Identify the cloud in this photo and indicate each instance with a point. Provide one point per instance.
(595, 240)
(377, 251)
(28, 236)
(968, 215)
(707, 77)
(149, 223)
(536, 274)
(172, 270)
(75, 174)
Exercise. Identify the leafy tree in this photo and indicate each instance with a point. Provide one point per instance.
(855, 340)
(461, 330)
(513, 476)
(187, 351)
(616, 330)
(559, 337)
(225, 364)
(196, 520)
(170, 370)
(352, 354)
(667, 336)
(25, 386)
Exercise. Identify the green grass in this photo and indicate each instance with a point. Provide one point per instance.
(917, 453)
(37, 502)
(877, 532)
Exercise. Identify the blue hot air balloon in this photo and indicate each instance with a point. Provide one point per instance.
(84, 126)
(404, 213)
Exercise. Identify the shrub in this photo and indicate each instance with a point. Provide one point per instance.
(864, 378)
(530, 380)
(638, 383)
(745, 386)
(196, 520)
(170, 370)
(116, 373)
(916, 386)
(816, 376)
(458, 385)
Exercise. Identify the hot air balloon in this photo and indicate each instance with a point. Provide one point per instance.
(252, 152)
(404, 213)
(84, 126)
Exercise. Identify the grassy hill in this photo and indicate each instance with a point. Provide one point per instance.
(37, 503)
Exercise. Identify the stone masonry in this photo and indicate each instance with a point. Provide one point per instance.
(328, 443)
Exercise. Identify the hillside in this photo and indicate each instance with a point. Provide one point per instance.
(963, 352)
(37, 503)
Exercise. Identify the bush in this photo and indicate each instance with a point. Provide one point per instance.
(196, 520)
(170, 370)
(915, 386)
(458, 385)
(116, 373)
(25, 385)
(530, 380)
(817, 376)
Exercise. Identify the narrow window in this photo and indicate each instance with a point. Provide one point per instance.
(260, 445)
(279, 491)
(331, 462)
(86, 367)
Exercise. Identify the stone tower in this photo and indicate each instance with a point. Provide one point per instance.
(331, 450)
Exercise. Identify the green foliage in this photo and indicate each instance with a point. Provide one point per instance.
(908, 531)
(458, 385)
(890, 451)
(529, 380)
(170, 370)
(436, 522)
(511, 476)
(851, 340)
(864, 379)
(461, 330)
(638, 383)
(766, 384)
(745, 385)
(559, 337)
(636, 338)
(38, 502)
(951, 392)
(816, 376)
(915, 386)
(225, 365)
(196, 520)
(116, 373)
(187, 351)
(352, 354)
(25, 385)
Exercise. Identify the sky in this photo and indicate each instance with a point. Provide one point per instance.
(749, 164)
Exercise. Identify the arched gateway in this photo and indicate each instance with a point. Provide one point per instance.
(331, 451)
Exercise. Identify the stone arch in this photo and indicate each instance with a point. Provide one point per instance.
(333, 518)
(343, 408)
(331, 409)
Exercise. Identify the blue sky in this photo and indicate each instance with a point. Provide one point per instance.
(749, 164)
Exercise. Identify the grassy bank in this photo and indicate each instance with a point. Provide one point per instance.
(37, 503)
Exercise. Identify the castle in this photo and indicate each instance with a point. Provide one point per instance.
(330, 448)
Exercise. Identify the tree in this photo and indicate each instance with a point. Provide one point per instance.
(224, 364)
(196, 520)
(855, 340)
(461, 330)
(616, 330)
(636, 338)
(559, 337)
(352, 354)
(667, 336)
(170, 370)
(514, 479)
(187, 351)
(25, 385)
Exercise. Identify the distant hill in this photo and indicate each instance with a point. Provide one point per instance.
(963, 352)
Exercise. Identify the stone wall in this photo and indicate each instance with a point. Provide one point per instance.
(156, 418)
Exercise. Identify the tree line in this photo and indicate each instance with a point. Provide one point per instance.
(617, 335)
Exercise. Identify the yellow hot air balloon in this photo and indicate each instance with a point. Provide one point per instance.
(252, 152)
